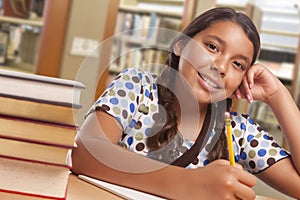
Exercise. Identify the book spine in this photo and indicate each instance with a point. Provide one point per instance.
(36, 142)
(23, 195)
(69, 166)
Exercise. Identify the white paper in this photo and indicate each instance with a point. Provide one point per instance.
(123, 192)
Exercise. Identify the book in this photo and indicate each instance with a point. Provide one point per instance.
(124, 192)
(30, 180)
(37, 131)
(36, 110)
(40, 88)
(28, 151)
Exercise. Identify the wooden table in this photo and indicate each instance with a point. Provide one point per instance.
(81, 190)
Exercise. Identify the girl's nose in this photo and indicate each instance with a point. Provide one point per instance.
(220, 66)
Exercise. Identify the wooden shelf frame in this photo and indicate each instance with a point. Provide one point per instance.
(32, 22)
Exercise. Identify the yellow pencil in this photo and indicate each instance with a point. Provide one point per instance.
(229, 138)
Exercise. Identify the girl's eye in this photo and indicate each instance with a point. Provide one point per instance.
(239, 65)
(212, 47)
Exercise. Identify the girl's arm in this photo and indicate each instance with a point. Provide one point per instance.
(262, 85)
(97, 156)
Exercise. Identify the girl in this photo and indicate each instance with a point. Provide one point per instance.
(174, 123)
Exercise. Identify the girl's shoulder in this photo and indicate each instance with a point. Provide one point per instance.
(241, 117)
(137, 74)
(244, 122)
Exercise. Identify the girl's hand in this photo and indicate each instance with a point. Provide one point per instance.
(219, 180)
(259, 83)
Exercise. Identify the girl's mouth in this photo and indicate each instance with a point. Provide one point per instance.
(209, 82)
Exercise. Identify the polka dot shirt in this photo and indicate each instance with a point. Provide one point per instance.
(132, 99)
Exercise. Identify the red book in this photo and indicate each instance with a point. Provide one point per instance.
(30, 180)
(37, 131)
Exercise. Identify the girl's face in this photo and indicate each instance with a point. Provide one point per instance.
(215, 61)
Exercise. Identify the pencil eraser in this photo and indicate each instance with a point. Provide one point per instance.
(227, 114)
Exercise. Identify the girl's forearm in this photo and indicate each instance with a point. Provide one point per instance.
(158, 182)
(288, 116)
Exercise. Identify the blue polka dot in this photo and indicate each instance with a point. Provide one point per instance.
(205, 162)
(119, 84)
(129, 85)
(260, 163)
(243, 155)
(153, 86)
(266, 136)
(147, 131)
(111, 85)
(98, 101)
(147, 93)
(243, 126)
(147, 121)
(104, 100)
(251, 129)
(236, 158)
(235, 148)
(132, 123)
(283, 153)
(264, 143)
(251, 121)
(114, 101)
(124, 103)
(262, 152)
(250, 137)
(132, 107)
(140, 75)
(234, 113)
(119, 120)
(233, 138)
(130, 140)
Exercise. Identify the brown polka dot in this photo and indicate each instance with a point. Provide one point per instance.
(252, 164)
(124, 114)
(140, 146)
(196, 161)
(241, 141)
(121, 93)
(245, 116)
(138, 125)
(254, 143)
(135, 79)
(259, 128)
(142, 90)
(274, 144)
(270, 161)
(156, 117)
(233, 124)
(104, 94)
(151, 96)
(105, 107)
(147, 79)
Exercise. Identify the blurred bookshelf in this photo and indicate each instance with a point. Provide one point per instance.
(143, 33)
(21, 23)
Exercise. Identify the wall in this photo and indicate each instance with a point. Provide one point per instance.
(87, 21)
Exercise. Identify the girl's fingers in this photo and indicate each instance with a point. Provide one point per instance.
(246, 89)
(238, 94)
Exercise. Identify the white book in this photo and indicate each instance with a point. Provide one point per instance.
(40, 88)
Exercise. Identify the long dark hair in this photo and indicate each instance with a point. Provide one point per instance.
(166, 129)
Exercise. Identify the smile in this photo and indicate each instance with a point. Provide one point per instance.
(209, 82)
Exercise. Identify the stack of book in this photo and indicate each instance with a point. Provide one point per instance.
(37, 130)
